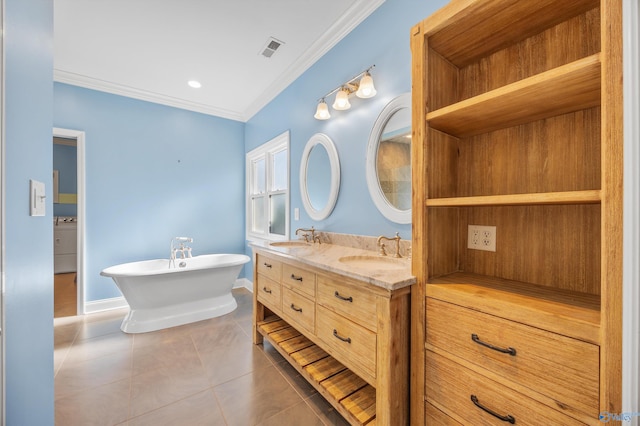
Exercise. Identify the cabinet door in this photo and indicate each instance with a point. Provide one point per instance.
(474, 399)
(350, 343)
(357, 304)
(300, 280)
(269, 293)
(269, 267)
(570, 366)
(298, 310)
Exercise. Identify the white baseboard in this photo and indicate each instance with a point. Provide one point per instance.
(244, 283)
(105, 305)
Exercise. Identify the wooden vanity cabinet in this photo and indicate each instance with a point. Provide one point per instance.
(348, 338)
(517, 124)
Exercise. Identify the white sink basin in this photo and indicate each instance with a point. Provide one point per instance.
(375, 262)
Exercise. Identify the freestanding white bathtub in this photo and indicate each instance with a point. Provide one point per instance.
(195, 289)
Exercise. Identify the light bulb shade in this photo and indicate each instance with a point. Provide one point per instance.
(342, 101)
(366, 88)
(322, 112)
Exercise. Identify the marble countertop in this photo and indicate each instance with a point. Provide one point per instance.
(387, 272)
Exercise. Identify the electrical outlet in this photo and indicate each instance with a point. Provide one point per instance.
(482, 238)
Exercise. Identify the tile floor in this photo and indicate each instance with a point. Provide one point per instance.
(206, 373)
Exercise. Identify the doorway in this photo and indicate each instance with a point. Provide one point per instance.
(69, 212)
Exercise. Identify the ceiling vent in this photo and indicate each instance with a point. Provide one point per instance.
(271, 46)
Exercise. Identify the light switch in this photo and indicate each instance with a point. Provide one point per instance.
(296, 214)
(36, 198)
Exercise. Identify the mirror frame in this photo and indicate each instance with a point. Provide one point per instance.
(334, 163)
(387, 209)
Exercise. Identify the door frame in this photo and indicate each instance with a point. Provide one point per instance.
(631, 212)
(79, 136)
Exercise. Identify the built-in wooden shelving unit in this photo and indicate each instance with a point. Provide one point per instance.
(568, 88)
(517, 124)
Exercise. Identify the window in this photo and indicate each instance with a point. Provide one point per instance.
(268, 190)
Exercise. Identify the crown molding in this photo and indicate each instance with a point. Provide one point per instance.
(74, 79)
(357, 13)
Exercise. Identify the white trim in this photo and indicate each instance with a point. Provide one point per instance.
(277, 144)
(144, 95)
(357, 13)
(79, 136)
(95, 306)
(631, 212)
(244, 283)
(378, 197)
(334, 185)
(3, 388)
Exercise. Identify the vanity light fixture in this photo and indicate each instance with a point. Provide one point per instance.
(366, 89)
(363, 88)
(342, 100)
(322, 112)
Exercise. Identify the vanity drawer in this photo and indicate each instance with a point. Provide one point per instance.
(268, 267)
(298, 310)
(559, 367)
(433, 416)
(299, 279)
(451, 386)
(357, 304)
(269, 293)
(352, 344)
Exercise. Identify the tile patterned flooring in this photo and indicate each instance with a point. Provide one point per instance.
(205, 373)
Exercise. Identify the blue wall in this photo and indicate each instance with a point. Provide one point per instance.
(28, 248)
(382, 39)
(152, 173)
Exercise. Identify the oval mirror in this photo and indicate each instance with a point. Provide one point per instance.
(388, 163)
(319, 176)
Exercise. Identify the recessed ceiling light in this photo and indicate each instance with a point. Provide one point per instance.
(195, 84)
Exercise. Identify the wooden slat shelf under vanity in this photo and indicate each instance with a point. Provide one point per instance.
(349, 394)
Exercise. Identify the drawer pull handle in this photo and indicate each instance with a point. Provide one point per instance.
(296, 308)
(346, 299)
(508, 418)
(266, 290)
(268, 265)
(344, 339)
(293, 277)
(510, 351)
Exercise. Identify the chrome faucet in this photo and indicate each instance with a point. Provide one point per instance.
(383, 252)
(314, 237)
(184, 250)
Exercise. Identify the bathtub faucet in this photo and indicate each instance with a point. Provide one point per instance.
(178, 246)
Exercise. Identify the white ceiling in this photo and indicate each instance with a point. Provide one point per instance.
(149, 49)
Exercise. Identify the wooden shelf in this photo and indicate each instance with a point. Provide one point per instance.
(348, 393)
(465, 31)
(564, 89)
(568, 197)
(568, 313)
